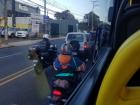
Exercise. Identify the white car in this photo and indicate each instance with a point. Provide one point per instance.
(78, 36)
(83, 39)
(10, 31)
(22, 34)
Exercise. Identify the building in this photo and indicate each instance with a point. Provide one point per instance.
(61, 27)
(1, 8)
(20, 9)
(19, 14)
(24, 16)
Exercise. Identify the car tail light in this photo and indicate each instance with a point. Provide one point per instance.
(86, 45)
(57, 92)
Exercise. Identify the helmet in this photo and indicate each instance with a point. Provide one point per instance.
(52, 46)
(46, 36)
(66, 49)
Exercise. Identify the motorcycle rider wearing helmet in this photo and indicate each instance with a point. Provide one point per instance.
(46, 41)
(67, 69)
(66, 59)
(63, 66)
(44, 45)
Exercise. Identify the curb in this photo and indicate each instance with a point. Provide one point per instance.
(8, 46)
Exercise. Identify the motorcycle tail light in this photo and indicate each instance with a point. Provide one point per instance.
(57, 92)
(86, 45)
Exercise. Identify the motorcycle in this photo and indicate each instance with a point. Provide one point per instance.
(41, 57)
(63, 84)
(57, 97)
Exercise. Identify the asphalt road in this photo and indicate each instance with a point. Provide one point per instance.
(17, 78)
(13, 59)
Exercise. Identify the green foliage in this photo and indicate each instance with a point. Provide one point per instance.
(64, 15)
(88, 24)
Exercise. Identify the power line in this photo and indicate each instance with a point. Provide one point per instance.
(41, 6)
(55, 2)
(56, 6)
(78, 15)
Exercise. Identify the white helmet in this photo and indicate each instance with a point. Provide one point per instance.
(46, 36)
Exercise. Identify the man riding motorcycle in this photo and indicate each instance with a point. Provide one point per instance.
(46, 40)
(65, 59)
(66, 69)
(44, 45)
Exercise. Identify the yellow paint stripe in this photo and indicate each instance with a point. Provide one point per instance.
(20, 75)
(15, 74)
(130, 2)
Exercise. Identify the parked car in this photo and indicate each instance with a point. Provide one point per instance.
(83, 39)
(22, 34)
(11, 32)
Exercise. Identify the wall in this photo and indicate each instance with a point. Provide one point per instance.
(63, 26)
(21, 22)
(23, 8)
(1, 8)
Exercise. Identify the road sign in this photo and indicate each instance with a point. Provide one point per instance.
(46, 19)
(37, 18)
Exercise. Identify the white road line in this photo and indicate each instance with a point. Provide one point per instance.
(18, 76)
(10, 55)
(16, 73)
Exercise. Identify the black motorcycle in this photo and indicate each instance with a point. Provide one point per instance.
(62, 85)
(41, 57)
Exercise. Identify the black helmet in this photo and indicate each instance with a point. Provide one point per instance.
(66, 49)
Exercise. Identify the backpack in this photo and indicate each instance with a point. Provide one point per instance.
(66, 77)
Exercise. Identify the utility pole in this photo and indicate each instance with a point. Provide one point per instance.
(44, 16)
(5, 21)
(44, 7)
(13, 14)
(93, 5)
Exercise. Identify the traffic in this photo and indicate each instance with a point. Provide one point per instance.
(64, 69)
(69, 52)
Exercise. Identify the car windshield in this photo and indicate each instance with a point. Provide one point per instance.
(26, 77)
(78, 37)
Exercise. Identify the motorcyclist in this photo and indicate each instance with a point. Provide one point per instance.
(65, 59)
(44, 45)
(46, 41)
(67, 67)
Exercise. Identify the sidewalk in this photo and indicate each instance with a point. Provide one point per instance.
(22, 43)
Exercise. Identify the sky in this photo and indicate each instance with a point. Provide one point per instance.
(77, 7)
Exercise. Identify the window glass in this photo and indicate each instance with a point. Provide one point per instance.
(78, 37)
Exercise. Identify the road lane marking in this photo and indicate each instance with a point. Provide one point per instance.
(16, 73)
(13, 78)
(10, 55)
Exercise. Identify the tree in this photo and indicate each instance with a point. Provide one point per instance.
(84, 26)
(88, 24)
(64, 15)
(89, 19)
